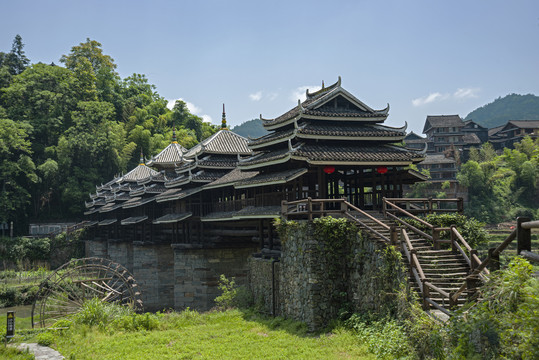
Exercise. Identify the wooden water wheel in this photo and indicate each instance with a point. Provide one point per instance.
(79, 280)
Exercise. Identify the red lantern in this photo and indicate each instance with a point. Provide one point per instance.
(329, 169)
(381, 169)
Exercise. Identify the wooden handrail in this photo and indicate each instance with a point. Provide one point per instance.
(430, 226)
(484, 263)
(421, 199)
(366, 215)
(530, 225)
(411, 227)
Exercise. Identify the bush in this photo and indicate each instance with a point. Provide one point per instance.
(385, 338)
(472, 230)
(45, 338)
(232, 296)
(504, 323)
(94, 312)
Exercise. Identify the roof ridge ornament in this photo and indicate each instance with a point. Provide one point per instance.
(223, 119)
(141, 157)
(424, 151)
(174, 140)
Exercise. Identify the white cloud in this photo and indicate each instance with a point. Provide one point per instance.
(299, 93)
(193, 109)
(460, 93)
(428, 99)
(256, 96)
(465, 93)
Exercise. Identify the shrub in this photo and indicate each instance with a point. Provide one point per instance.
(45, 338)
(94, 312)
(385, 338)
(472, 230)
(232, 296)
(504, 323)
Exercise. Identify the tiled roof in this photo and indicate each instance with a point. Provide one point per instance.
(179, 180)
(350, 130)
(208, 175)
(222, 142)
(265, 157)
(495, 130)
(155, 189)
(435, 121)
(525, 124)
(107, 222)
(133, 220)
(138, 173)
(270, 178)
(356, 153)
(271, 137)
(437, 159)
(471, 139)
(141, 201)
(230, 178)
(172, 218)
(314, 101)
(110, 207)
(176, 194)
(159, 177)
(221, 162)
(170, 155)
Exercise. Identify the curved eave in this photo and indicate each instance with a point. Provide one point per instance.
(178, 183)
(345, 138)
(259, 216)
(138, 203)
(272, 142)
(216, 167)
(293, 119)
(158, 222)
(361, 163)
(223, 218)
(178, 196)
(275, 182)
(266, 163)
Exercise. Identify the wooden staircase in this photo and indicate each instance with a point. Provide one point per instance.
(444, 269)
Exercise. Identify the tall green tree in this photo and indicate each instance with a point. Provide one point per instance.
(17, 170)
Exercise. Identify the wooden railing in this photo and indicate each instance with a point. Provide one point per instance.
(523, 235)
(428, 205)
(391, 209)
(417, 273)
(310, 209)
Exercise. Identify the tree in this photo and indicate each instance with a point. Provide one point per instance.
(15, 61)
(91, 51)
(17, 170)
(44, 96)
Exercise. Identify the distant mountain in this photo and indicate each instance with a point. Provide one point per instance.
(510, 107)
(251, 128)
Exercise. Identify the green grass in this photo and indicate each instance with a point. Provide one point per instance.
(9, 353)
(231, 334)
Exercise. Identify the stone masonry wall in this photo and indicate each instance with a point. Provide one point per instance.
(376, 275)
(122, 253)
(96, 248)
(264, 284)
(312, 290)
(197, 272)
(153, 269)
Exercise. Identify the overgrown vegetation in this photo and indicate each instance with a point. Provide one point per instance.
(24, 253)
(504, 323)
(472, 230)
(502, 187)
(232, 295)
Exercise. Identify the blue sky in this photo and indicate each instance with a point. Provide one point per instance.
(257, 57)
